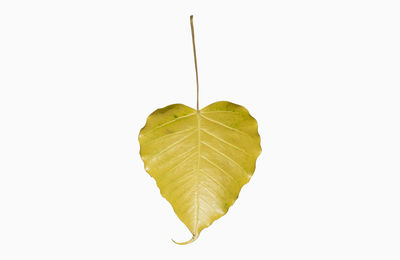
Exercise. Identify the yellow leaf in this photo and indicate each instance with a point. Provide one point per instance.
(200, 160)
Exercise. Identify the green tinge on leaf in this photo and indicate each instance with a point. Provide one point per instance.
(200, 160)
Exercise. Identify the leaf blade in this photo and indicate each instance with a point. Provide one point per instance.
(228, 144)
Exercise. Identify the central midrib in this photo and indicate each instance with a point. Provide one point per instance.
(196, 194)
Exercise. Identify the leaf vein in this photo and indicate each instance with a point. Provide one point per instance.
(219, 168)
(226, 156)
(172, 145)
(224, 125)
(167, 123)
(181, 162)
(226, 142)
(168, 135)
(219, 111)
(222, 187)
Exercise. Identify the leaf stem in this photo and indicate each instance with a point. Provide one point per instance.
(195, 60)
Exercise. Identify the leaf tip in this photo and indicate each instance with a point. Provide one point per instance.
(194, 237)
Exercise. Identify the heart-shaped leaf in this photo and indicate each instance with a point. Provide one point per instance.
(200, 160)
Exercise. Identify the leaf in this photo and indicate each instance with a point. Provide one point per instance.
(200, 159)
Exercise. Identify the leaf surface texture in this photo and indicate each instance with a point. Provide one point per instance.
(200, 160)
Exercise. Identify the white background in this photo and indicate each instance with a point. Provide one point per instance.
(79, 78)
